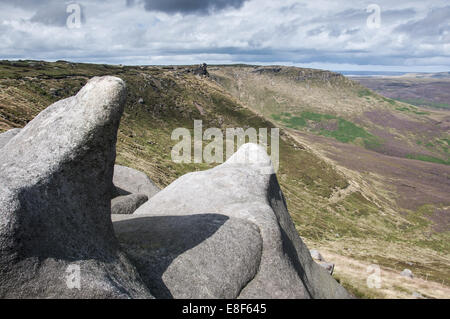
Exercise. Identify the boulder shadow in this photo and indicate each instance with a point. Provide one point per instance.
(290, 238)
(152, 243)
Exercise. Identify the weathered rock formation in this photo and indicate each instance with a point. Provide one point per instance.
(202, 70)
(55, 181)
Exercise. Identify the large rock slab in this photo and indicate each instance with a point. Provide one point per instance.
(55, 213)
(178, 256)
(130, 181)
(244, 189)
(7, 136)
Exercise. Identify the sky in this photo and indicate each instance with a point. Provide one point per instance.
(375, 35)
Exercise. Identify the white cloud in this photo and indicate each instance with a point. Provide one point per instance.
(320, 33)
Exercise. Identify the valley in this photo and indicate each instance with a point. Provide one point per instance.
(366, 177)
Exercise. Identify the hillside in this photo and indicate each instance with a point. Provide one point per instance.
(329, 104)
(426, 90)
(353, 208)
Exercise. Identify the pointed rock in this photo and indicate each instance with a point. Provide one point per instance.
(245, 190)
(56, 235)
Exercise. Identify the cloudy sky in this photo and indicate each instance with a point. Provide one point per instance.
(410, 35)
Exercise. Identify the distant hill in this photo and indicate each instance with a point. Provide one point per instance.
(389, 74)
(439, 75)
(371, 73)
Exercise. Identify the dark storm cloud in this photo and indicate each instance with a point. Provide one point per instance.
(389, 16)
(54, 14)
(188, 6)
(352, 21)
(28, 4)
(264, 31)
(436, 23)
(356, 18)
(360, 57)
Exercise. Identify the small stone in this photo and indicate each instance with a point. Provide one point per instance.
(126, 205)
(328, 266)
(407, 273)
(131, 181)
(418, 295)
(244, 190)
